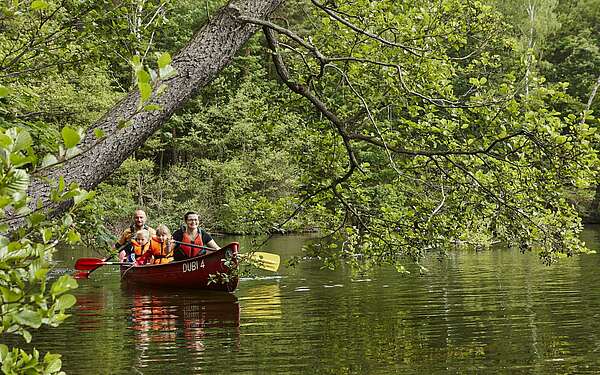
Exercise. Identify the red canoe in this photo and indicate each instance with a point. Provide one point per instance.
(193, 273)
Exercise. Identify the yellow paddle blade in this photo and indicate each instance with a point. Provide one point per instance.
(266, 261)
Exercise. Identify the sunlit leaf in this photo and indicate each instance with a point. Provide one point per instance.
(63, 284)
(39, 5)
(145, 91)
(167, 72)
(61, 184)
(26, 335)
(152, 107)
(29, 318)
(18, 159)
(49, 159)
(137, 63)
(70, 137)
(74, 236)
(46, 235)
(164, 60)
(64, 302)
(53, 362)
(68, 220)
(22, 141)
(4, 91)
(9, 295)
(99, 133)
(5, 140)
(17, 181)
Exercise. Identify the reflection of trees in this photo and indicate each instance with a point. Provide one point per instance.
(472, 312)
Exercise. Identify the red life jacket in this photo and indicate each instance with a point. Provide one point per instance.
(188, 250)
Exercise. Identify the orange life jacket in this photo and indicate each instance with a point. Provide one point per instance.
(188, 250)
(160, 251)
(138, 249)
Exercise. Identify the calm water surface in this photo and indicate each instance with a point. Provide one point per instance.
(495, 311)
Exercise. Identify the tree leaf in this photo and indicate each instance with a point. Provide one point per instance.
(145, 91)
(9, 295)
(167, 72)
(29, 318)
(53, 362)
(164, 60)
(152, 107)
(70, 137)
(17, 181)
(3, 352)
(22, 141)
(49, 159)
(18, 159)
(46, 235)
(74, 236)
(63, 284)
(99, 133)
(64, 302)
(5, 141)
(4, 91)
(39, 5)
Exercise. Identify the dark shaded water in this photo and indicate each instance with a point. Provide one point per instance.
(489, 312)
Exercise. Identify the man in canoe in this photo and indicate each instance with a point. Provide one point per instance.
(139, 223)
(200, 241)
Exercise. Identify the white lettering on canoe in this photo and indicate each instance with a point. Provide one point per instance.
(202, 264)
(191, 266)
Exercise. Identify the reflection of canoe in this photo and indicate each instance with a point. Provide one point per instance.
(175, 319)
(193, 273)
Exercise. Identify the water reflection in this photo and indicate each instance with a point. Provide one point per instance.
(164, 323)
(166, 317)
(262, 302)
(496, 311)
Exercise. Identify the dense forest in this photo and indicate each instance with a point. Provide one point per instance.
(387, 127)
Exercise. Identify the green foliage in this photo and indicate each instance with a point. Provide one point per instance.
(230, 155)
(28, 299)
(17, 361)
(449, 147)
(574, 55)
(445, 142)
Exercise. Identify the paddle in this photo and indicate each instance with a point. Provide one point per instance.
(266, 261)
(84, 273)
(90, 264)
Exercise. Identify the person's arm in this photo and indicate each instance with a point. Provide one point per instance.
(208, 241)
(175, 250)
(125, 237)
(213, 245)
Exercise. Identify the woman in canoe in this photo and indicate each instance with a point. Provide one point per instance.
(194, 235)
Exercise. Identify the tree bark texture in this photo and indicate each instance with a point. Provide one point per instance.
(210, 50)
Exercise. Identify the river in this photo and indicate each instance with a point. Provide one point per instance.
(494, 311)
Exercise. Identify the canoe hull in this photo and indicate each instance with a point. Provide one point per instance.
(193, 273)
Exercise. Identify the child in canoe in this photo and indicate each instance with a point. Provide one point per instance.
(160, 249)
(137, 246)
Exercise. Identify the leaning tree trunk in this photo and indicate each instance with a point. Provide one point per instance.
(197, 64)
